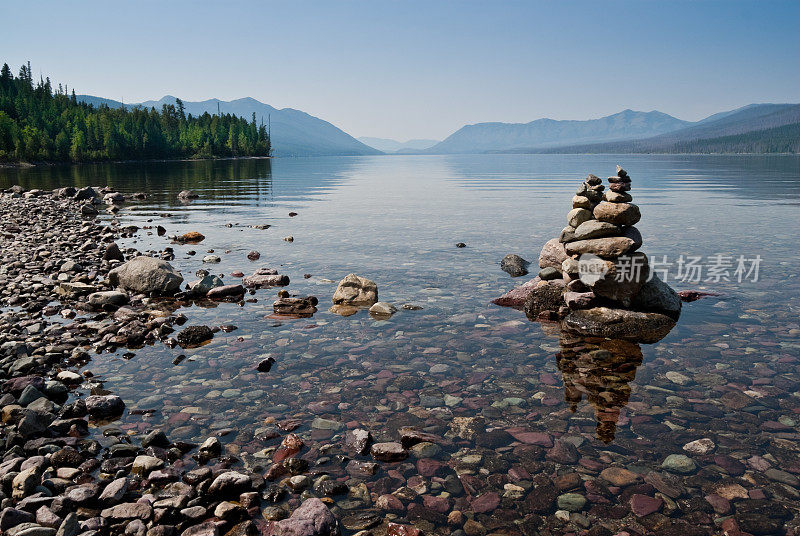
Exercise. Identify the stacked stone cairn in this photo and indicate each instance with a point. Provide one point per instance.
(593, 278)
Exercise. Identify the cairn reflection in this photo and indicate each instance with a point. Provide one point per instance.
(600, 371)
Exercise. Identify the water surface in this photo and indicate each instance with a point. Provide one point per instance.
(396, 220)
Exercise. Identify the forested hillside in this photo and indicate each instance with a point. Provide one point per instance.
(41, 124)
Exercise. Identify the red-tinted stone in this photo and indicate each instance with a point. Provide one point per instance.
(533, 438)
(429, 467)
(396, 529)
(642, 505)
(719, 504)
(437, 504)
(486, 503)
(390, 503)
(290, 446)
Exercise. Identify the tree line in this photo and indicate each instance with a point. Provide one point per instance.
(40, 124)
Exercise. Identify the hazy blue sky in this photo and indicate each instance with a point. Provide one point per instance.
(408, 69)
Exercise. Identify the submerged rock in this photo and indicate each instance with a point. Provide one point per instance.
(194, 336)
(312, 518)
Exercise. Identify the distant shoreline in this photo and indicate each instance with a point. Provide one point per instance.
(25, 165)
(28, 165)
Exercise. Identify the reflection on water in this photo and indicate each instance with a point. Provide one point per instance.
(599, 370)
(602, 372)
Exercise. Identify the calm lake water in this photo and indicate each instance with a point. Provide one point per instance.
(396, 220)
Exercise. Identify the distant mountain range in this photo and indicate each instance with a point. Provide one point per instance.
(387, 145)
(753, 127)
(756, 128)
(294, 133)
(490, 137)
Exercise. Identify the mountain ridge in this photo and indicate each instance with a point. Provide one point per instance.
(294, 132)
(765, 127)
(546, 132)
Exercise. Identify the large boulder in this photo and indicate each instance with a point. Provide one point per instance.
(623, 324)
(312, 518)
(655, 296)
(623, 278)
(517, 296)
(355, 290)
(553, 254)
(147, 275)
(546, 296)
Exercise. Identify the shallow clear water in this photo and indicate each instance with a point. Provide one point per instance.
(396, 220)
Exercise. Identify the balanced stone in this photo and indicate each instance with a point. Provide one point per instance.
(567, 234)
(547, 296)
(617, 197)
(617, 213)
(623, 278)
(580, 201)
(577, 216)
(620, 187)
(634, 234)
(593, 180)
(553, 254)
(613, 246)
(596, 229)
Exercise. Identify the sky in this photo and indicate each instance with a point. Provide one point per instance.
(409, 69)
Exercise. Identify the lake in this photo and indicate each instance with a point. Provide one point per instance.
(727, 372)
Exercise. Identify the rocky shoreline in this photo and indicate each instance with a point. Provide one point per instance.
(59, 305)
(461, 465)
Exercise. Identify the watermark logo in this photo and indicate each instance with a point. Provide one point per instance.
(591, 269)
(685, 269)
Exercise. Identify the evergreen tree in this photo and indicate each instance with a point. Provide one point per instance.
(37, 124)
